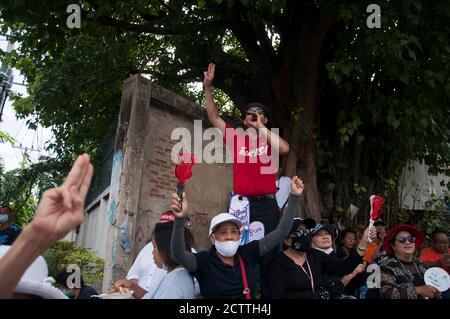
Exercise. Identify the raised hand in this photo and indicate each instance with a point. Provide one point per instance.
(359, 269)
(258, 123)
(209, 75)
(297, 186)
(61, 209)
(368, 232)
(176, 206)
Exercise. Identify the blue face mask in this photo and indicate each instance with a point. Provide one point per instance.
(3, 218)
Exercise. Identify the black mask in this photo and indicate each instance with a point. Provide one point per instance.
(301, 242)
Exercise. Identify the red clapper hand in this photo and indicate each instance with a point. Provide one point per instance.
(375, 205)
(183, 171)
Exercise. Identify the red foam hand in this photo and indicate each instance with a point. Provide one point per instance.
(183, 167)
(375, 205)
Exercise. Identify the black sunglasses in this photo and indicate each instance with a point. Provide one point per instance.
(260, 112)
(403, 239)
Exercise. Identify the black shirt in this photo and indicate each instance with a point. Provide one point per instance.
(288, 280)
(219, 280)
(9, 234)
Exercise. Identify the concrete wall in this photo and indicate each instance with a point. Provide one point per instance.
(143, 175)
(92, 233)
(417, 186)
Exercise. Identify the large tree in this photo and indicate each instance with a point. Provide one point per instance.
(355, 103)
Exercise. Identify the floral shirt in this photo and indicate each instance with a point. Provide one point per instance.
(400, 279)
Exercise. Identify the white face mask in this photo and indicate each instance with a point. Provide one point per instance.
(3, 218)
(227, 248)
(325, 250)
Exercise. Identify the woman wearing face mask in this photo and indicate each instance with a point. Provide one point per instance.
(9, 231)
(298, 272)
(227, 270)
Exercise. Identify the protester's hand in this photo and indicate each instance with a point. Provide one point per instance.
(61, 209)
(297, 186)
(359, 269)
(427, 291)
(131, 284)
(176, 206)
(124, 283)
(368, 232)
(209, 75)
(258, 123)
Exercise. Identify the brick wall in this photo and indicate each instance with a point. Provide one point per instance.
(144, 179)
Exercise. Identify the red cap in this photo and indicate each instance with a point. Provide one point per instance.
(166, 217)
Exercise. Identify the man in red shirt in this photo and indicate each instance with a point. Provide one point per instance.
(255, 155)
(439, 254)
(252, 156)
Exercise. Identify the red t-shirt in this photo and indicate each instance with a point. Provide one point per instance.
(252, 172)
(430, 255)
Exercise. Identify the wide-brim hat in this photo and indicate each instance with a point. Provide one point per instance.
(35, 280)
(327, 227)
(402, 227)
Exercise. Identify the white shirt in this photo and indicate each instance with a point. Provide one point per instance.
(144, 269)
(284, 188)
(149, 276)
(177, 284)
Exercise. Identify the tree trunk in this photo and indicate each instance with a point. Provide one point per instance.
(303, 153)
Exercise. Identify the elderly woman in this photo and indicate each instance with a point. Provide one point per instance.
(299, 272)
(402, 276)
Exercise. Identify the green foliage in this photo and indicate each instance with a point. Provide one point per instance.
(65, 253)
(22, 188)
(6, 138)
(382, 94)
(432, 218)
(428, 221)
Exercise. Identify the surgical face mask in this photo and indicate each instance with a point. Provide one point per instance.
(227, 248)
(301, 243)
(325, 250)
(3, 218)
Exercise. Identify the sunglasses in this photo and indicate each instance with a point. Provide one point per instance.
(403, 239)
(251, 111)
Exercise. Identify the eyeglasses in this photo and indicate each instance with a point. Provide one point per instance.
(403, 239)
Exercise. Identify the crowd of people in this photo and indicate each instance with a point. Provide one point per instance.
(294, 258)
(316, 260)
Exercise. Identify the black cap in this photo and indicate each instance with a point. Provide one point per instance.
(327, 227)
(308, 222)
(267, 111)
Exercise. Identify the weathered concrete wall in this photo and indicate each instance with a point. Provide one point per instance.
(417, 186)
(143, 173)
(92, 233)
